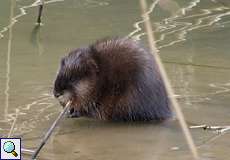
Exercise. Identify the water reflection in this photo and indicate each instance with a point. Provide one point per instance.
(97, 140)
(170, 6)
(36, 39)
(8, 61)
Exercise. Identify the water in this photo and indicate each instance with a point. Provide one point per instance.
(192, 37)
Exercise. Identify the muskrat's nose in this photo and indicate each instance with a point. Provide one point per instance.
(56, 94)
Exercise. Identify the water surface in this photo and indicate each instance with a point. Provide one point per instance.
(192, 37)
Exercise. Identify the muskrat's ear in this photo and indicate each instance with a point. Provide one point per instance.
(94, 65)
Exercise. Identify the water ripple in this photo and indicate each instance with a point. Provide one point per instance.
(43, 107)
(136, 25)
(219, 89)
(174, 29)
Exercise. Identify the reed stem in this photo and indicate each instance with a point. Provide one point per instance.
(165, 79)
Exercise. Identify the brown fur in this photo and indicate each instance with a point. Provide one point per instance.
(113, 79)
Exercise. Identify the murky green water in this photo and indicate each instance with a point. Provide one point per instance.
(193, 38)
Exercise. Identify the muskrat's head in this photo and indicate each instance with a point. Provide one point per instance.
(76, 80)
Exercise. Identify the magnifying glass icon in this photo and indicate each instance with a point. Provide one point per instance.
(9, 147)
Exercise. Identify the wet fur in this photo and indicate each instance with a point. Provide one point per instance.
(113, 79)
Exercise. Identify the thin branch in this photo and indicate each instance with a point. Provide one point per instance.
(40, 9)
(49, 132)
(218, 129)
(13, 124)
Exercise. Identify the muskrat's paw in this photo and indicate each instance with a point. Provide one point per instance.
(73, 113)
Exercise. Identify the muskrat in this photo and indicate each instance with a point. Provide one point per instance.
(113, 79)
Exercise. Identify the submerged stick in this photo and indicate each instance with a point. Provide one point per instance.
(27, 151)
(13, 124)
(50, 131)
(168, 87)
(40, 9)
(218, 129)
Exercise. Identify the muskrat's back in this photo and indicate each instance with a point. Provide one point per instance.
(119, 80)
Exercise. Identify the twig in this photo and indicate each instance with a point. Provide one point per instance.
(218, 129)
(27, 151)
(40, 9)
(13, 124)
(46, 137)
(225, 129)
(168, 87)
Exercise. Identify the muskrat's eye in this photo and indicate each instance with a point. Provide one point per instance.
(74, 79)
